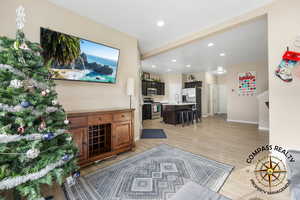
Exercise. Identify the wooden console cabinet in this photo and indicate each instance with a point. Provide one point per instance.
(101, 134)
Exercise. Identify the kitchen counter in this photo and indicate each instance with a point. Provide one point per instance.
(170, 111)
(178, 104)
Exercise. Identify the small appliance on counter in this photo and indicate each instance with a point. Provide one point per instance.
(151, 109)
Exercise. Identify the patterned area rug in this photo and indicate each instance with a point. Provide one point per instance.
(156, 174)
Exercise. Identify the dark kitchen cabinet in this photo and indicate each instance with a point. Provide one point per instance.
(159, 86)
(147, 111)
(193, 84)
(144, 88)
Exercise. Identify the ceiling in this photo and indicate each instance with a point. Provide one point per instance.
(246, 43)
(139, 17)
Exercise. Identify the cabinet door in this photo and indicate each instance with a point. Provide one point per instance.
(162, 88)
(80, 140)
(122, 135)
(144, 88)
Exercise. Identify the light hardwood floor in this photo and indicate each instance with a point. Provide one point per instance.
(214, 138)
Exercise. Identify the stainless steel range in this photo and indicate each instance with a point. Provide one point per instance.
(151, 109)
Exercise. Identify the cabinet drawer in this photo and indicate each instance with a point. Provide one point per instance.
(77, 122)
(126, 116)
(99, 119)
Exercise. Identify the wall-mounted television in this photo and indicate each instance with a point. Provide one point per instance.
(86, 60)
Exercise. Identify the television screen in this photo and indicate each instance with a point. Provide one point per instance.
(76, 59)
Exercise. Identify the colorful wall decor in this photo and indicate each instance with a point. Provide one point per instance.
(247, 84)
(290, 61)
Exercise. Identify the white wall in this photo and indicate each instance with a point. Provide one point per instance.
(283, 28)
(173, 87)
(79, 95)
(263, 111)
(222, 98)
(244, 108)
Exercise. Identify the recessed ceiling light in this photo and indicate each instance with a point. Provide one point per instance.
(220, 70)
(160, 23)
(174, 60)
(169, 70)
(153, 66)
(210, 44)
(222, 54)
(188, 65)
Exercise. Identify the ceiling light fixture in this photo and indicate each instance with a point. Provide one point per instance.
(188, 66)
(174, 60)
(210, 44)
(153, 66)
(160, 23)
(220, 70)
(222, 54)
(169, 70)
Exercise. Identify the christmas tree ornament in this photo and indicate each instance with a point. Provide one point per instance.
(24, 46)
(32, 153)
(21, 130)
(16, 45)
(69, 139)
(16, 83)
(25, 104)
(48, 136)
(66, 158)
(76, 174)
(42, 126)
(70, 181)
(47, 91)
(54, 102)
(66, 122)
(44, 93)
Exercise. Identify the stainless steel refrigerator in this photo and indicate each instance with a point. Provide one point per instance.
(193, 95)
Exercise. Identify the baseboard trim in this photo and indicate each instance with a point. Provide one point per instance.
(263, 128)
(241, 121)
(204, 115)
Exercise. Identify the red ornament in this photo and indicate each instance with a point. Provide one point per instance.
(21, 130)
(42, 126)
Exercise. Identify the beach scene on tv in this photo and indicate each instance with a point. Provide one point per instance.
(94, 63)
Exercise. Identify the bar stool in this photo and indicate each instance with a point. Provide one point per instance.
(195, 114)
(185, 117)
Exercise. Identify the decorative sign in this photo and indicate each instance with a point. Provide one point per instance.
(247, 83)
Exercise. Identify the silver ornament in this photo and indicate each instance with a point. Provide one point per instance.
(44, 93)
(16, 83)
(54, 102)
(32, 153)
(66, 122)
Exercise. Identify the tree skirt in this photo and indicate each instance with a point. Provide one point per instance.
(156, 174)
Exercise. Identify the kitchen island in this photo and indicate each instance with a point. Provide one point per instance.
(170, 111)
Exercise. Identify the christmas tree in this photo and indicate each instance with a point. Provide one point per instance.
(35, 147)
